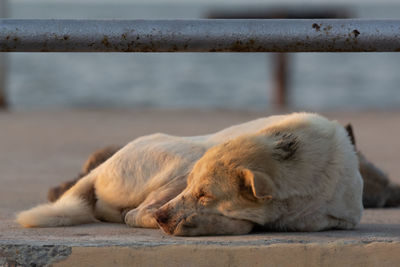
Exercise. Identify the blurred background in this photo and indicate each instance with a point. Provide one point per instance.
(64, 106)
(243, 81)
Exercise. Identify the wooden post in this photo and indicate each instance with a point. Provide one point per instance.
(280, 80)
(3, 70)
(3, 97)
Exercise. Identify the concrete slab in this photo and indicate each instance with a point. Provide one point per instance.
(39, 149)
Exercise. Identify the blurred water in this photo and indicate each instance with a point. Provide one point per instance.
(319, 80)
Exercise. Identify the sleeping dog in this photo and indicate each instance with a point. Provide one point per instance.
(296, 172)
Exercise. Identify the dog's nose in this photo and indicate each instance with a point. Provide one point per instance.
(162, 216)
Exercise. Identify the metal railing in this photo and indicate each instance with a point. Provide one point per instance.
(207, 35)
(203, 35)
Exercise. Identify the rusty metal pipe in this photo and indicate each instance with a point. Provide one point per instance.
(254, 35)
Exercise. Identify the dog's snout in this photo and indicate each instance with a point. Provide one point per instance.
(162, 216)
(164, 220)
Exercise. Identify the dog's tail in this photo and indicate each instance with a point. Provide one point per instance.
(74, 207)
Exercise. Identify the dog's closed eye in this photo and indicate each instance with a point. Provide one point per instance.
(204, 198)
(200, 194)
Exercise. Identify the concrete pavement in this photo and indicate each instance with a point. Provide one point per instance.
(39, 149)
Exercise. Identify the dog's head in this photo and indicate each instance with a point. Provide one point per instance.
(228, 188)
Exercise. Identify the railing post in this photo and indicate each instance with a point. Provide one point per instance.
(280, 80)
(3, 65)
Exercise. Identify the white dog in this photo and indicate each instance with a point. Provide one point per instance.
(294, 172)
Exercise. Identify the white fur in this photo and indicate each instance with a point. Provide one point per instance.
(325, 187)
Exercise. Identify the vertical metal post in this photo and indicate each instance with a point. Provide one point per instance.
(280, 80)
(3, 70)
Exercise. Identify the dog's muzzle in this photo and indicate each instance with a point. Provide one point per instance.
(163, 219)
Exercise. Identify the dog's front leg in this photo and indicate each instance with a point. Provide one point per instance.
(141, 217)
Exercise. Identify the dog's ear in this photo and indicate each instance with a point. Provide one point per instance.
(350, 132)
(285, 146)
(260, 183)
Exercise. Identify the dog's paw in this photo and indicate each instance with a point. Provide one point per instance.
(130, 218)
(140, 218)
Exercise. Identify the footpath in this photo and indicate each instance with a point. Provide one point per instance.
(40, 149)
